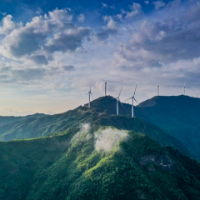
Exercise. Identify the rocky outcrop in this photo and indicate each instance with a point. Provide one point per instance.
(161, 161)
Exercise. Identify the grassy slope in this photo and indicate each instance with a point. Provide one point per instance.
(53, 168)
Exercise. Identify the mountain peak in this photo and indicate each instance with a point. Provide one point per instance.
(169, 100)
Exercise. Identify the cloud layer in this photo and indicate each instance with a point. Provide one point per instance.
(58, 53)
(38, 39)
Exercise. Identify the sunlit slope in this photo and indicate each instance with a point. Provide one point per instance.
(37, 127)
(178, 116)
(96, 163)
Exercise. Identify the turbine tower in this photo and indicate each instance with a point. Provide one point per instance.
(90, 93)
(184, 89)
(105, 86)
(133, 99)
(118, 100)
(158, 90)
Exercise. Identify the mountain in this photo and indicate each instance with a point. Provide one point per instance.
(99, 114)
(178, 116)
(9, 119)
(96, 162)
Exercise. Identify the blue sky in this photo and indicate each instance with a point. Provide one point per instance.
(51, 51)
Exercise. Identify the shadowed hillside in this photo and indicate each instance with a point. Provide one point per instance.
(179, 116)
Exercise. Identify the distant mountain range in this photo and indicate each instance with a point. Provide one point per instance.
(10, 119)
(87, 154)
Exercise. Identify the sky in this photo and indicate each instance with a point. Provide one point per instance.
(52, 51)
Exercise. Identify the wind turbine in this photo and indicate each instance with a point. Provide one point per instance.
(133, 99)
(118, 100)
(90, 93)
(105, 86)
(184, 89)
(158, 90)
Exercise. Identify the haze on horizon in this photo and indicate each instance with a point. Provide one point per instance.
(51, 51)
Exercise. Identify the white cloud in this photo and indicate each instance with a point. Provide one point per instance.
(159, 4)
(136, 9)
(110, 29)
(69, 40)
(3, 13)
(59, 16)
(81, 18)
(84, 128)
(7, 25)
(43, 34)
(107, 139)
(104, 5)
(112, 25)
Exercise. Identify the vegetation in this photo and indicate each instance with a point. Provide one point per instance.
(108, 157)
(68, 165)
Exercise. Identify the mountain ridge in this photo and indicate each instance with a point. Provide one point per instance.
(160, 114)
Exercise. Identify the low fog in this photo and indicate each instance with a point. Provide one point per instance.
(107, 139)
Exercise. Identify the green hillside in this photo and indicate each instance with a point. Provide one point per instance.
(97, 162)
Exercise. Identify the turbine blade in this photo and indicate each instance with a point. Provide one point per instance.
(135, 91)
(120, 92)
(135, 99)
(128, 99)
